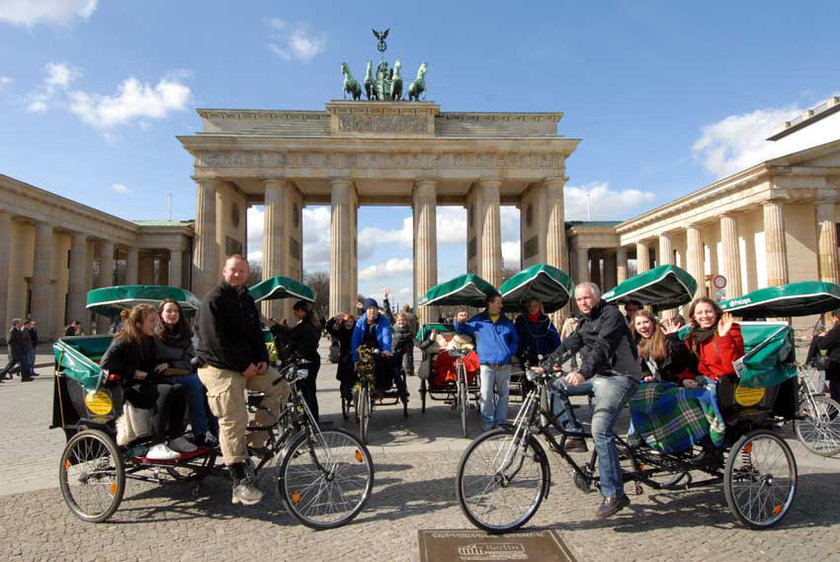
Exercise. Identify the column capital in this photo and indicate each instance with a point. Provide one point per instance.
(425, 182)
(827, 196)
(489, 182)
(207, 182)
(555, 181)
(266, 180)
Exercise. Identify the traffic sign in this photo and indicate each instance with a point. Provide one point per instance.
(719, 281)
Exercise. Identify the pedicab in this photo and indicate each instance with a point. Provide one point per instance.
(504, 475)
(442, 384)
(818, 423)
(313, 466)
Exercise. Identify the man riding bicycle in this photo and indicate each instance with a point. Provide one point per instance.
(611, 368)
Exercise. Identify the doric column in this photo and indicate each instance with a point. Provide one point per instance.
(342, 241)
(176, 268)
(774, 243)
(581, 265)
(621, 265)
(206, 255)
(490, 236)
(595, 271)
(827, 232)
(555, 238)
(77, 285)
(731, 255)
(132, 266)
(106, 279)
(146, 269)
(610, 272)
(424, 208)
(642, 257)
(694, 256)
(5, 268)
(274, 239)
(41, 307)
(666, 250)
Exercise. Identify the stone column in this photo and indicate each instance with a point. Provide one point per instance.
(621, 265)
(41, 306)
(424, 203)
(106, 279)
(342, 240)
(176, 268)
(206, 255)
(642, 257)
(274, 240)
(731, 255)
(5, 267)
(77, 287)
(490, 236)
(666, 250)
(146, 269)
(555, 238)
(611, 271)
(694, 257)
(774, 243)
(595, 271)
(827, 232)
(581, 265)
(132, 266)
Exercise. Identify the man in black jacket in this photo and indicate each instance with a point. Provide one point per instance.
(232, 356)
(18, 342)
(611, 366)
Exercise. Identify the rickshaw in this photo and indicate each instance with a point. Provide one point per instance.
(313, 466)
(468, 291)
(818, 426)
(663, 288)
(504, 475)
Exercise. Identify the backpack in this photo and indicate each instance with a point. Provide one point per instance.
(335, 351)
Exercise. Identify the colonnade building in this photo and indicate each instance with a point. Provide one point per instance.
(770, 224)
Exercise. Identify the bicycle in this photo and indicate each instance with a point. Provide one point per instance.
(818, 428)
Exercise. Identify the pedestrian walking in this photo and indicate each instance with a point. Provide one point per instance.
(18, 342)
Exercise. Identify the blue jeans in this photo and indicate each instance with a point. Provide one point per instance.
(494, 394)
(562, 405)
(611, 395)
(195, 399)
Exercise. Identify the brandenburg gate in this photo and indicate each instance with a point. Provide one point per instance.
(376, 153)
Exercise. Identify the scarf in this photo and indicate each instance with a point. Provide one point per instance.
(702, 335)
(534, 317)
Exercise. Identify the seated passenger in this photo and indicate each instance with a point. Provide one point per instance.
(715, 339)
(132, 356)
(403, 339)
(174, 354)
(373, 330)
(664, 357)
(341, 328)
(537, 335)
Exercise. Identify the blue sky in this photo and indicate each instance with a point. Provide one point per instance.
(667, 96)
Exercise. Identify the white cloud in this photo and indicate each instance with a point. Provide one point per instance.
(371, 237)
(256, 225)
(510, 254)
(5, 81)
(387, 270)
(451, 225)
(604, 203)
(737, 142)
(119, 188)
(57, 12)
(316, 238)
(294, 40)
(134, 101)
(510, 224)
(58, 77)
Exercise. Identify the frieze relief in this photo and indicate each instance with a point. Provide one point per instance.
(382, 123)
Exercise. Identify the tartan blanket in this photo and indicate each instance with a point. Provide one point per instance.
(671, 419)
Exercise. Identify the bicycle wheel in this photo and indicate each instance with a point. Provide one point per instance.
(820, 430)
(92, 476)
(325, 480)
(760, 479)
(463, 401)
(363, 411)
(501, 484)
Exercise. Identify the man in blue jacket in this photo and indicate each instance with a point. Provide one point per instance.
(374, 330)
(496, 344)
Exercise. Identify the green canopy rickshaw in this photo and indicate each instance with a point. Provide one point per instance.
(110, 301)
(795, 299)
(663, 287)
(551, 286)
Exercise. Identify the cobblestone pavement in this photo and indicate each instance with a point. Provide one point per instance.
(416, 460)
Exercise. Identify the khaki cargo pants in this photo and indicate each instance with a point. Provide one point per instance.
(226, 395)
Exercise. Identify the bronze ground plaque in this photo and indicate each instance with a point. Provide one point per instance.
(445, 545)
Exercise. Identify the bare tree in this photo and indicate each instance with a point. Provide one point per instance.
(256, 274)
(508, 272)
(319, 282)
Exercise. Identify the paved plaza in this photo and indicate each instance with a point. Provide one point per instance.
(416, 460)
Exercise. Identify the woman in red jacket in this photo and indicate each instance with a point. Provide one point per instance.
(715, 339)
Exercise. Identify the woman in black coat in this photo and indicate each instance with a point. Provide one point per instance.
(303, 339)
(830, 343)
(341, 328)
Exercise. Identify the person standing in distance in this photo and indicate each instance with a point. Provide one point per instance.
(232, 356)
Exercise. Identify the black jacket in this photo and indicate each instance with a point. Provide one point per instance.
(679, 360)
(33, 336)
(18, 342)
(228, 330)
(302, 338)
(606, 343)
(125, 357)
(344, 335)
(830, 343)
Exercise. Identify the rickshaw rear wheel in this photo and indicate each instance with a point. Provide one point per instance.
(760, 478)
(819, 432)
(92, 476)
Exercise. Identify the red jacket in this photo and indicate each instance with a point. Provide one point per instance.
(715, 357)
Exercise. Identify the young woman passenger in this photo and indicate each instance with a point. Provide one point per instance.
(303, 339)
(131, 355)
(715, 339)
(664, 357)
(174, 354)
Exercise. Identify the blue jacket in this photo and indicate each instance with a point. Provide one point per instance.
(536, 338)
(383, 334)
(495, 343)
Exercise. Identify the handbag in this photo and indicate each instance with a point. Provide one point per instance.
(822, 362)
(335, 351)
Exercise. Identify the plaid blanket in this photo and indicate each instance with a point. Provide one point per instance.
(671, 419)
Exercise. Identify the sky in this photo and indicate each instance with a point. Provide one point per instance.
(667, 97)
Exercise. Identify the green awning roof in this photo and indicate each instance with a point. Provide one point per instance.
(662, 287)
(109, 301)
(465, 290)
(550, 285)
(279, 287)
(794, 299)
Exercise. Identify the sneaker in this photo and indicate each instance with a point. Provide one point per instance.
(246, 493)
(208, 440)
(161, 452)
(182, 445)
(612, 505)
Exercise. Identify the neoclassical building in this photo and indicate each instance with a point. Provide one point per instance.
(770, 224)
